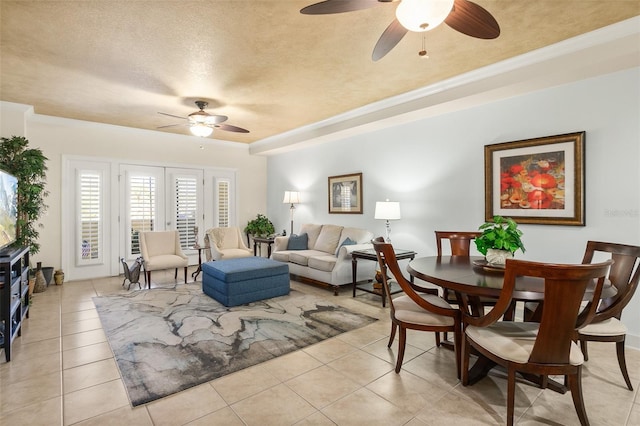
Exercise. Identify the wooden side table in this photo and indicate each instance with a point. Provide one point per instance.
(370, 254)
(258, 241)
(195, 273)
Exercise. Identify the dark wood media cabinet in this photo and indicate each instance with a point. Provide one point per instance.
(14, 296)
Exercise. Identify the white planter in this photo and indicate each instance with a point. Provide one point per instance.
(498, 257)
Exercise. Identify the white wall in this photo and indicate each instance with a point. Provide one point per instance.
(435, 168)
(57, 136)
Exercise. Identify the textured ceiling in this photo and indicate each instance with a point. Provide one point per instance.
(261, 63)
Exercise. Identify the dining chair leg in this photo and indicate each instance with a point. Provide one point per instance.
(394, 326)
(466, 347)
(623, 363)
(437, 339)
(401, 345)
(575, 386)
(583, 348)
(511, 394)
(457, 336)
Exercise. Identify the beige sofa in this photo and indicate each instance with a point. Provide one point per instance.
(326, 259)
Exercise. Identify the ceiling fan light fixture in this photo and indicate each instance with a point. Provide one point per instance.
(423, 15)
(201, 130)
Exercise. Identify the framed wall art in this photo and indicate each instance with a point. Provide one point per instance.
(345, 193)
(538, 181)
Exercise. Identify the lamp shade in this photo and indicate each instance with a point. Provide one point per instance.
(291, 197)
(423, 15)
(201, 130)
(388, 210)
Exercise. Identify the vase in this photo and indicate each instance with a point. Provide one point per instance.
(58, 277)
(41, 283)
(498, 257)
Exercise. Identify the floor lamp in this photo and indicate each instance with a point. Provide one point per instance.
(387, 210)
(291, 197)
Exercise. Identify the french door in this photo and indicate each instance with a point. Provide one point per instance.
(107, 205)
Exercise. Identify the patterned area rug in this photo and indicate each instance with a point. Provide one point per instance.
(168, 340)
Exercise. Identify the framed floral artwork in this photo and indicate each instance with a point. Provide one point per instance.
(345, 193)
(538, 181)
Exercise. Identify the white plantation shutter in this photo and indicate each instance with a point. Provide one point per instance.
(223, 203)
(186, 209)
(89, 248)
(142, 208)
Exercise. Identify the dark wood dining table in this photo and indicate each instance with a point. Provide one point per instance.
(471, 276)
(472, 280)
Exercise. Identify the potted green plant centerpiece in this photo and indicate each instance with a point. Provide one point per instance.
(261, 226)
(499, 240)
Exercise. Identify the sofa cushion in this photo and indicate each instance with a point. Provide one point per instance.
(346, 242)
(358, 235)
(323, 263)
(328, 239)
(280, 256)
(298, 242)
(312, 230)
(301, 257)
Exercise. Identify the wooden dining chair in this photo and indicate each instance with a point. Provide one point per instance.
(606, 325)
(544, 348)
(413, 310)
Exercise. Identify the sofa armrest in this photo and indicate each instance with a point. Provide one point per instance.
(280, 243)
(345, 251)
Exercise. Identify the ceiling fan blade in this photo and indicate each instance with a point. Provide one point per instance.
(472, 20)
(388, 40)
(171, 115)
(230, 128)
(328, 7)
(170, 125)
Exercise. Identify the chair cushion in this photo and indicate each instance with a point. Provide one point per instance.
(328, 239)
(165, 261)
(298, 242)
(234, 253)
(407, 310)
(514, 341)
(609, 327)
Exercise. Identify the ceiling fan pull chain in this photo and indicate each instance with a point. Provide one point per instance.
(423, 52)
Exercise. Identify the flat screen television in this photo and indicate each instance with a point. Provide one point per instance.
(8, 209)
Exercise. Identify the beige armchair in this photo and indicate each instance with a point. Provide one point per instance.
(161, 250)
(225, 243)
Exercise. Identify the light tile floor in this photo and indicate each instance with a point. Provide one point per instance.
(63, 372)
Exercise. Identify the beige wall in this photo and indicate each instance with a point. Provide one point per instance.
(57, 137)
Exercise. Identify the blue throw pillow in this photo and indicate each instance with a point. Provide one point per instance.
(298, 242)
(347, 242)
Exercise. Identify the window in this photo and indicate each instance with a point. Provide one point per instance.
(142, 208)
(90, 232)
(186, 209)
(223, 204)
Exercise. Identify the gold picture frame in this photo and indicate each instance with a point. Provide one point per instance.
(345, 193)
(538, 181)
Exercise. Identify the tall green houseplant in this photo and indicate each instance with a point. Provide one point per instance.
(29, 166)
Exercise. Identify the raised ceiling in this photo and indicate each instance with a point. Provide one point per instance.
(267, 67)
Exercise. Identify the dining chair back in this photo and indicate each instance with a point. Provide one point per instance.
(624, 276)
(413, 310)
(459, 241)
(545, 348)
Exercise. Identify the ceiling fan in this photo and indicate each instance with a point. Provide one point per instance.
(201, 123)
(418, 16)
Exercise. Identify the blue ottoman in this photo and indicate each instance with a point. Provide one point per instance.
(243, 280)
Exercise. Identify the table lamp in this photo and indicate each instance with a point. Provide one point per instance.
(291, 197)
(387, 210)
